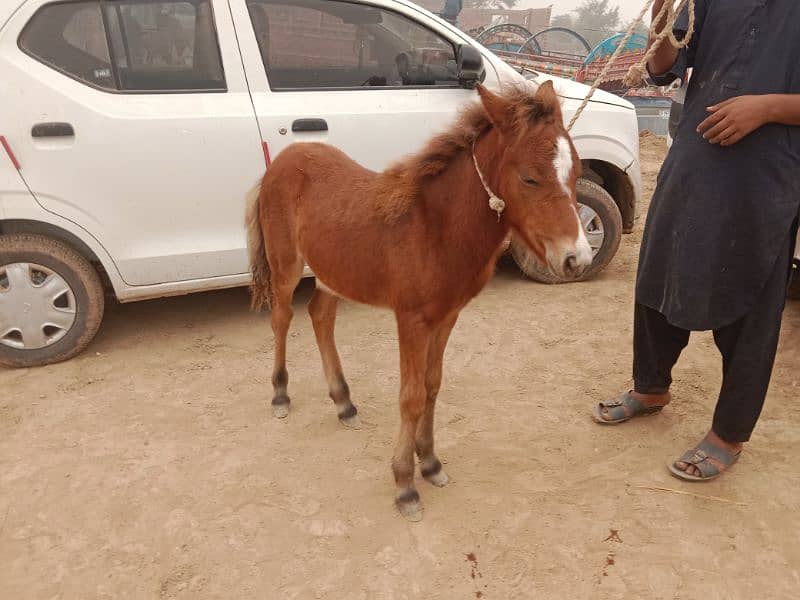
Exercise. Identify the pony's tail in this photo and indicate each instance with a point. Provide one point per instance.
(261, 287)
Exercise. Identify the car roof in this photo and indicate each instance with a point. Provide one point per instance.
(7, 9)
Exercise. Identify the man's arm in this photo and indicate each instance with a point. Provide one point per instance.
(783, 108)
(732, 120)
(670, 63)
(667, 54)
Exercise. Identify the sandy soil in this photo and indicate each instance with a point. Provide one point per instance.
(150, 467)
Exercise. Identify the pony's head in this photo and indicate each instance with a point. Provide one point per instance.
(533, 168)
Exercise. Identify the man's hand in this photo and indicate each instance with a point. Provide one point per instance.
(735, 118)
(667, 54)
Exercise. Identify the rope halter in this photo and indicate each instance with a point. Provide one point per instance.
(495, 202)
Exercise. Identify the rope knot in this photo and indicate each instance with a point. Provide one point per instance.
(634, 78)
(497, 205)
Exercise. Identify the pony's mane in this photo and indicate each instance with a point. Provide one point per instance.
(405, 179)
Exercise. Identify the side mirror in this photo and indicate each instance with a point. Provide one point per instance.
(470, 66)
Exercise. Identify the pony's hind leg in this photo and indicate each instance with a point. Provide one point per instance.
(429, 464)
(283, 286)
(322, 309)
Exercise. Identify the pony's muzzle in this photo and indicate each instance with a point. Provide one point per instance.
(571, 262)
(577, 259)
(572, 268)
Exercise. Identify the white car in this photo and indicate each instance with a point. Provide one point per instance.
(131, 130)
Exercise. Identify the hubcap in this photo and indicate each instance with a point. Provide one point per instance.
(37, 306)
(592, 227)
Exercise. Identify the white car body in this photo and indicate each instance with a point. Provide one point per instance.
(152, 185)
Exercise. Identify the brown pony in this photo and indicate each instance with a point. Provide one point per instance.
(421, 239)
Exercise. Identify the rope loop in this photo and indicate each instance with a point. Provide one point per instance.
(636, 74)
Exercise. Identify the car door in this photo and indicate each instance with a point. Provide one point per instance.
(374, 79)
(135, 122)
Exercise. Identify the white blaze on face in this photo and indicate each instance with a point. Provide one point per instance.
(563, 166)
(583, 251)
(563, 163)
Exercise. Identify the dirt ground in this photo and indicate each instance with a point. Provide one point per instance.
(150, 466)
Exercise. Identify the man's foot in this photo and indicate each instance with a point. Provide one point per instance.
(652, 399)
(628, 405)
(708, 460)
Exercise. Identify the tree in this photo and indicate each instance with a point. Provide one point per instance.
(565, 20)
(641, 29)
(594, 19)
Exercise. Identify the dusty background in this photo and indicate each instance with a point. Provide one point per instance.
(150, 466)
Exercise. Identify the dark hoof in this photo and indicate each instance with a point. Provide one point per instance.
(409, 505)
(435, 474)
(280, 407)
(349, 417)
(353, 422)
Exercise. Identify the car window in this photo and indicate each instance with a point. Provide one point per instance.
(71, 38)
(164, 45)
(155, 46)
(313, 44)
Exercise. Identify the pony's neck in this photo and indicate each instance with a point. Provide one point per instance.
(459, 204)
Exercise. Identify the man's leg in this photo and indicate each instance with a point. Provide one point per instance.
(657, 345)
(748, 348)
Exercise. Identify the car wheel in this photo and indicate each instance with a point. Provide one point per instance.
(602, 223)
(51, 301)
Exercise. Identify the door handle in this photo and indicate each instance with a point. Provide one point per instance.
(42, 130)
(310, 125)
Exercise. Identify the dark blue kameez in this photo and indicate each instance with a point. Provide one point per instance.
(721, 216)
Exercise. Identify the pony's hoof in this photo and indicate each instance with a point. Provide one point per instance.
(433, 472)
(280, 406)
(411, 511)
(353, 422)
(439, 479)
(409, 505)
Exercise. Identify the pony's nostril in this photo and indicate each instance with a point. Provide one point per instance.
(571, 264)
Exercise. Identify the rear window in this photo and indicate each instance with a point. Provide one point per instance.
(129, 45)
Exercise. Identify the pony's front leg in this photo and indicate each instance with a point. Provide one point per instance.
(429, 463)
(414, 335)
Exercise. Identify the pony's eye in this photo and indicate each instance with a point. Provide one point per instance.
(528, 180)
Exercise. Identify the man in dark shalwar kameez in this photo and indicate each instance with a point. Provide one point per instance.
(718, 242)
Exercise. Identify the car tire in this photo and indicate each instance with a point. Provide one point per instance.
(60, 293)
(605, 225)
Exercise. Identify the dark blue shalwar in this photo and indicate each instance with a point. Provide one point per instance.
(719, 237)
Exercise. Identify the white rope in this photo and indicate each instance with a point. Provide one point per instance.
(495, 202)
(636, 73)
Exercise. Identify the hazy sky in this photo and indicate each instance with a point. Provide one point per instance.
(628, 8)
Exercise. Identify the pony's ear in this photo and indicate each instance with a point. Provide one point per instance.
(547, 99)
(497, 108)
